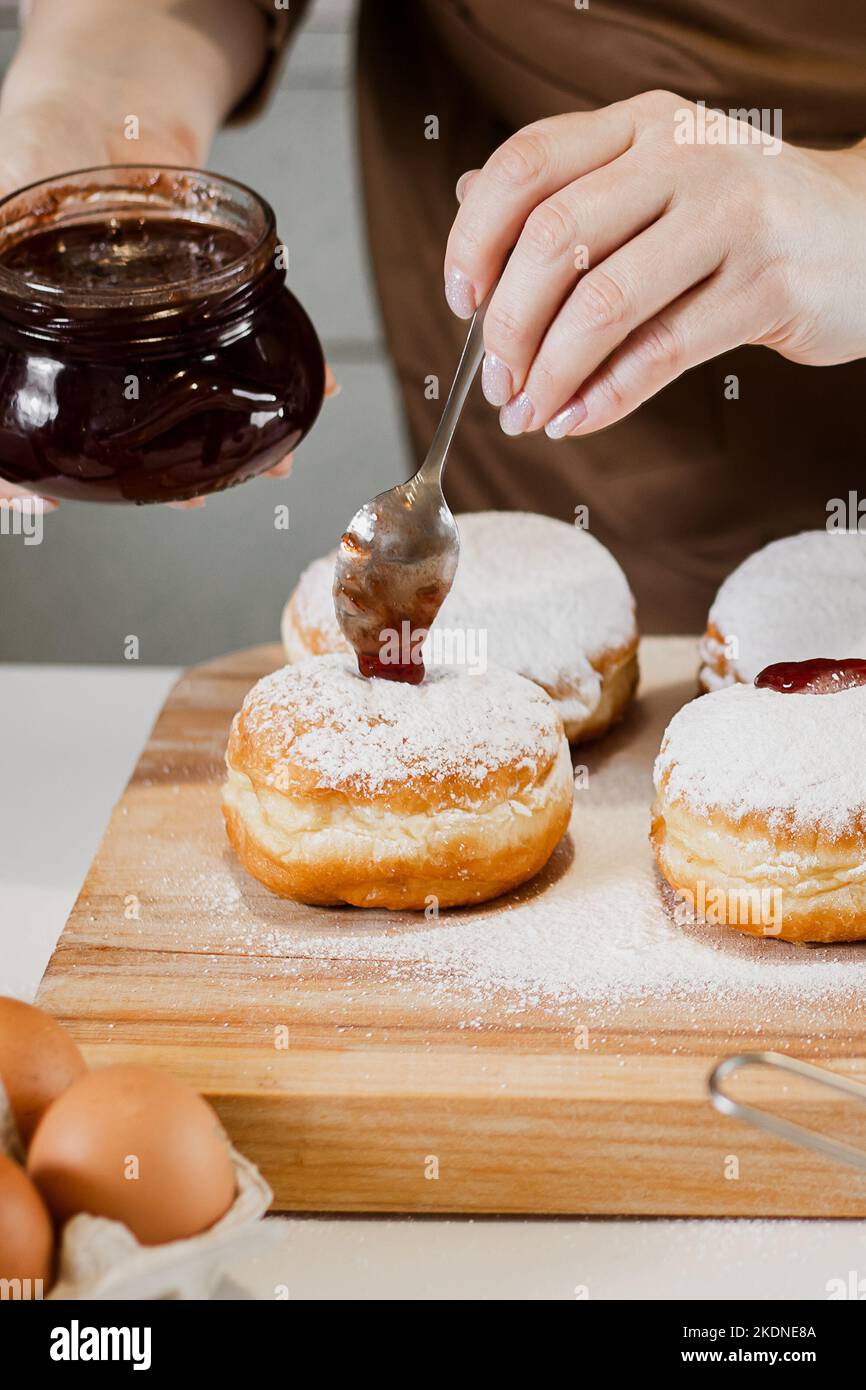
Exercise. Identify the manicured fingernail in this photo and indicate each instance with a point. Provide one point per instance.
(514, 417)
(463, 183)
(460, 294)
(566, 419)
(496, 380)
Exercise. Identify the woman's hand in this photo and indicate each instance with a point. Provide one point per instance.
(639, 253)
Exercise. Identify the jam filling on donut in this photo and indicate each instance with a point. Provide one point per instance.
(409, 672)
(820, 676)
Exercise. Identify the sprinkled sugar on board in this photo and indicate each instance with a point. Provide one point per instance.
(550, 1049)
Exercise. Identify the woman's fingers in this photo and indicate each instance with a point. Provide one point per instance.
(284, 467)
(627, 289)
(709, 319)
(281, 469)
(566, 235)
(531, 166)
(463, 183)
(11, 492)
(193, 504)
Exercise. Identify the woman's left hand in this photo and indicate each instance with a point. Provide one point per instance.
(638, 253)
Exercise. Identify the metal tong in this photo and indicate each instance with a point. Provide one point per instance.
(775, 1124)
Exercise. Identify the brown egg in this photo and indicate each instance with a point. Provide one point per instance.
(26, 1234)
(138, 1146)
(38, 1060)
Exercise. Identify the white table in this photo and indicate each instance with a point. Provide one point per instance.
(70, 738)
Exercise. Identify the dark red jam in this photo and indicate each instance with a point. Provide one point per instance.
(820, 676)
(385, 611)
(389, 586)
(149, 348)
(124, 254)
(409, 672)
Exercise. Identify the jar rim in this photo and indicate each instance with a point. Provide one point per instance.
(93, 191)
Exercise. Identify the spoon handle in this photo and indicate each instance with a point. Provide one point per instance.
(473, 350)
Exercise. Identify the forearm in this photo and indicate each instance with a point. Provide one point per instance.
(178, 66)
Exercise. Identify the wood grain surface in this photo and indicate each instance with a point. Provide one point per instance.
(356, 1087)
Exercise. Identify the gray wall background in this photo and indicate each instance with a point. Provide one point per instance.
(192, 585)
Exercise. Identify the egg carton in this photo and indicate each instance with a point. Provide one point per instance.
(100, 1258)
(10, 1141)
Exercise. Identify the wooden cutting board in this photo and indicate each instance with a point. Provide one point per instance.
(356, 1084)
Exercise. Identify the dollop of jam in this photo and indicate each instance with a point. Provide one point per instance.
(819, 676)
(409, 672)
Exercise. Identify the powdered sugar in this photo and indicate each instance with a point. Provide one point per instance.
(611, 942)
(551, 598)
(594, 933)
(597, 929)
(371, 736)
(789, 758)
(312, 606)
(801, 597)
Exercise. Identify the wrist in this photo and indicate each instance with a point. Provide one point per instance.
(58, 130)
(176, 68)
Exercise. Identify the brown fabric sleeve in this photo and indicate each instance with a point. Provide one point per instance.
(282, 24)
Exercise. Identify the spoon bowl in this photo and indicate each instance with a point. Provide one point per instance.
(398, 556)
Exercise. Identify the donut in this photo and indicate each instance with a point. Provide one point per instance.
(532, 594)
(342, 789)
(759, 819)
(796, 597)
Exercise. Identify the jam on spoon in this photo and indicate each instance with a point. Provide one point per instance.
(819, 676)
(398, 557)
(388, 593)
(409, 672)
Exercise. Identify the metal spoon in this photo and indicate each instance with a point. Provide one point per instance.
(398, 557)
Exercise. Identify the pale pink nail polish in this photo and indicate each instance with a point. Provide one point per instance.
(496, 380)
(460, 294)
(566, 419)
(462, 186)
(514, 417)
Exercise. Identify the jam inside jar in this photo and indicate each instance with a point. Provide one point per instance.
(149, 348)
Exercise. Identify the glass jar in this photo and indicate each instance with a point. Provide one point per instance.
(149, 348)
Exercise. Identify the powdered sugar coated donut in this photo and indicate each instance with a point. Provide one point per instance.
(800, 597)
(760, 811)
(373, 792)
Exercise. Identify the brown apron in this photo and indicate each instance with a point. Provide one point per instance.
(692, 482)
